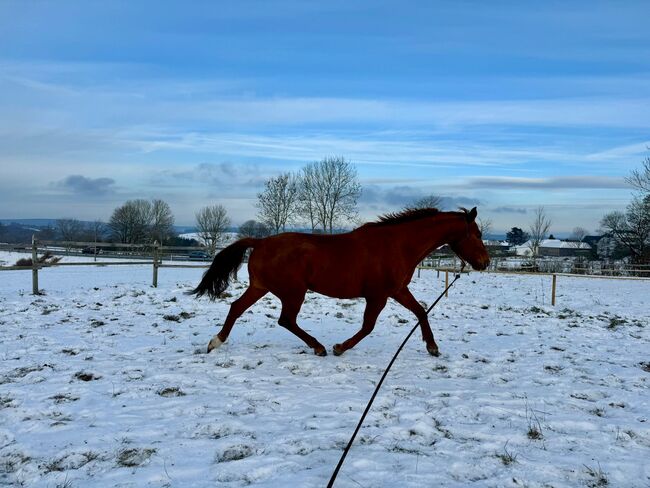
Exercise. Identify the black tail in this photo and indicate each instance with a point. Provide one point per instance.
(224, 267)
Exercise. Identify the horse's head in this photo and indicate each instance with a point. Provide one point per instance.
(469, 247)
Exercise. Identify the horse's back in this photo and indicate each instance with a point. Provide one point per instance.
(328, 264)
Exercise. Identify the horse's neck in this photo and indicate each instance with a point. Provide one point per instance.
(422, 238)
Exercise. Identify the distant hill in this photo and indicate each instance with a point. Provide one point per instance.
(41, 223)
(29, 222)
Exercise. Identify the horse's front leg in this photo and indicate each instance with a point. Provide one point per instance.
(405, 298)
(374, 306)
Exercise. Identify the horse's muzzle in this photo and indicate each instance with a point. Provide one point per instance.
(481, 264)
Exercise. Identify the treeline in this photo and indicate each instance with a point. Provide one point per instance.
(322, 196)
(631, 228)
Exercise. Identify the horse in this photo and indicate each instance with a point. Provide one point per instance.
(376, 261)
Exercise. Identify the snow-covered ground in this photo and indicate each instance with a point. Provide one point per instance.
(104, 382)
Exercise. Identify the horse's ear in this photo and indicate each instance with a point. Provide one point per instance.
(471, 216)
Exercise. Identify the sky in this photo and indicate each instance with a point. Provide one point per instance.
(506, 106)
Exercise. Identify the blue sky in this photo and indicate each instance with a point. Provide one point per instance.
(503, 105)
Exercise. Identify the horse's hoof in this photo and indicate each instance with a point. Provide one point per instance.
(214, 343)
(433, 350)
(320, 352)
(337, 350)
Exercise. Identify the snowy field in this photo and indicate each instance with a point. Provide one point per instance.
(104, 382)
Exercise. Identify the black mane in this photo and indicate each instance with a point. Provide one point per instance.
(408, 215)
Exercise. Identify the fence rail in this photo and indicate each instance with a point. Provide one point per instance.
(155, 251)
(447, 264)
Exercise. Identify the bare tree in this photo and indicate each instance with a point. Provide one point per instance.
(538, 229)
(632, 228)
(96, 230)
(212, 223)
(69, 229)
(484, 226)
(640, 179)
(329, 191)
(130, 222)
(161, 228)
(277, 204)
(577, 235)
(307, 195)
(253, 228)
(430, 201)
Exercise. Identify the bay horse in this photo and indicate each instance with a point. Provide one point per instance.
(375, 261)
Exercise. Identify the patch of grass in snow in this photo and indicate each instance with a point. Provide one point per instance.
(615, 321)
(506, 457)
(538, 310)
(438, 426)
(441, 368)
(172, 391)
(134, 456)
(70, 461)
(534, 432)
(598, 412)
(553, 368)
(63, 398)
(177, 318)
(65, 484)
(22, 372)
(597, 477)
(10, 462)
(86, 376)
(6, 402)
(404, 450)
(567, 313)
(234, 453)
(645, 366)
(534, 425)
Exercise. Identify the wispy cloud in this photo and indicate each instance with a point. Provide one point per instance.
(506, 210)
(222, 176)
(564, 182)
(400, 196)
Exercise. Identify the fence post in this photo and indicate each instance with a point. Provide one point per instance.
(553, 289)
(155, 264)
(446, 284)
(34, 266)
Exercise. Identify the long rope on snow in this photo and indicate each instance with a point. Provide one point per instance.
(372, 398)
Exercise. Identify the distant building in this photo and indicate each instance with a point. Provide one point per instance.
(554, 247)
(496, 247)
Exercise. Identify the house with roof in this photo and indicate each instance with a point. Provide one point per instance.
(554, 247)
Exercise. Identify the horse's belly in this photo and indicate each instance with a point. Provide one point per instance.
(335, 281)
(336, 291)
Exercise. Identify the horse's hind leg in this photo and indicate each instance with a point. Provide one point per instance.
(405, 298)
(238, 307)
(374, 306)
(290, 308)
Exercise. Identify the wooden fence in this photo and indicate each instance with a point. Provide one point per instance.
(153, 254)
(149, 254)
